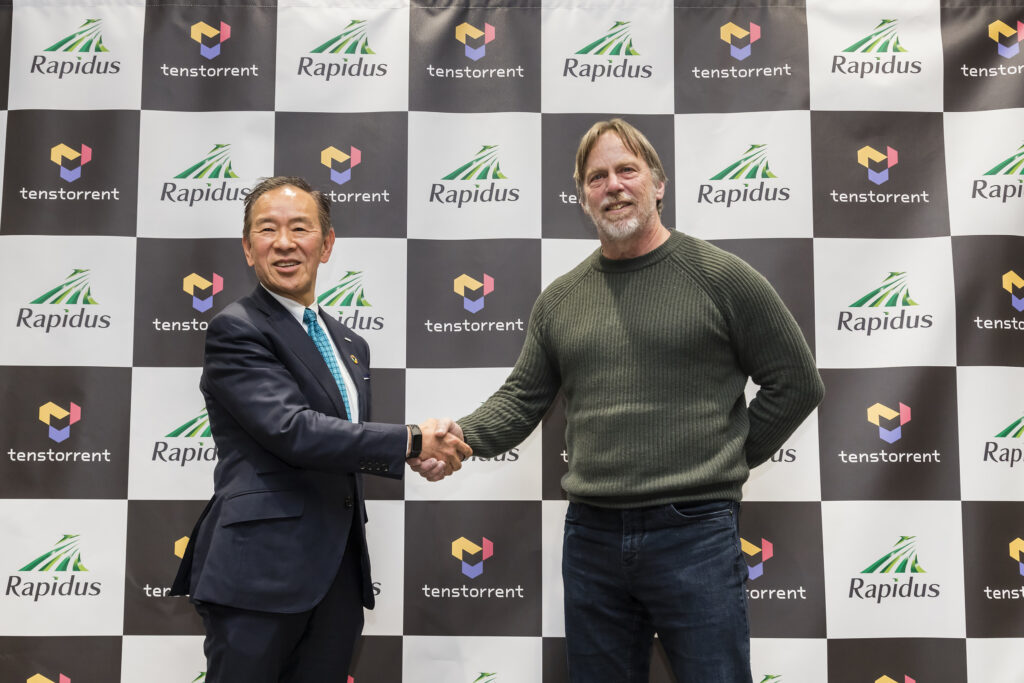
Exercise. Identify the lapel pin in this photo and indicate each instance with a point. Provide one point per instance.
(354, 359)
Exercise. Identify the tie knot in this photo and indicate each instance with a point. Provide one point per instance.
(309, 317)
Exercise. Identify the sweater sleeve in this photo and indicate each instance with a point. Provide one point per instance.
(772, 350)
(514, 410)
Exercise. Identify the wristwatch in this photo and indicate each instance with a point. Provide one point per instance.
(417, 441)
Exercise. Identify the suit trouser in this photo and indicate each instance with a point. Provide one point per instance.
(265, 647)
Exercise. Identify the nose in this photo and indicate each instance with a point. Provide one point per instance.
(283, 240)
(613, 185)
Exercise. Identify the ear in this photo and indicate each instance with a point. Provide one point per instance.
(659, 192)
(247, 248)
(328, 245)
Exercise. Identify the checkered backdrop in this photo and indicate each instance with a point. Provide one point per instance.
(866, 157)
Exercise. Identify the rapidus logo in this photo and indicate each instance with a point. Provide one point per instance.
(763, 553)
(210, 40)
(474, 47)
(332, 154)
(193, 285)
(60, 152)
(64, 558)
(1007, 45)
(871, 159)
(1012, 283)
(880, 415)
(87, 39)
(882, 41)
(462, 547)
(771, 677)
(75, 290)
(349, 293)
(486, 677)
(483, 166)
(901, 561)
(215, 166)
(893, 294)
(1006, 38)
(334, 56)
(471, 559)
(201, 31)
(735, 36)
(464, 282)
(181, 452)
(1004, 452)
(58, 420)
(1013, 165)
(599, 58)
(755, 181)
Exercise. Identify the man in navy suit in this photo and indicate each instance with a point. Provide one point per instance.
(277, 565)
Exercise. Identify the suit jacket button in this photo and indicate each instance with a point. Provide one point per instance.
(348, 502)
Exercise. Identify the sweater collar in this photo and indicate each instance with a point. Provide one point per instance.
(606, 265)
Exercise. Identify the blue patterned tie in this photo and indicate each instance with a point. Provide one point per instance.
(323, 345)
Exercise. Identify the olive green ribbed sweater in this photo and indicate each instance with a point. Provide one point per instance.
(652, 355)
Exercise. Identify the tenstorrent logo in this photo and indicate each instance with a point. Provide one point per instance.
(88, 38)
(194, 285)
(616, 41)
(735, 36)
(474, 39)
(1017, 553)
(59, 420)
(463, 546)
(887, 679)
(1007, 39)
(201, 30)
(871, 159)
(902, 559)
(879, 412)
(767, 550)
(58, 153)
(1013, 281)
(465, 282)
(882, 39)
(330, 155)
(40, 678)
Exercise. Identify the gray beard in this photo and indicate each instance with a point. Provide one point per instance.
(617, 231)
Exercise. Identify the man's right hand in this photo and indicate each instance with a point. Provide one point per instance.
(441, 446)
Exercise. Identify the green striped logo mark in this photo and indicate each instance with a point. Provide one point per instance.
(1014, 165)
(65, 557)
(902, 559)
(200, 677)
(485, 677)
(216, 164)
(74, 290)
(882, 39)
(482, 167)
(1014, 431)
(771, 677)
(893, 292)
(753, 164)
(198, 426)
(351, 41)
(86, 39)
(348, 292)
(616, 41)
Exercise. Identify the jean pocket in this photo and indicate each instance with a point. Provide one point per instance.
(698, 512)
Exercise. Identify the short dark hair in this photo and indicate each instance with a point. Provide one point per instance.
(633, 140)
(323, 204)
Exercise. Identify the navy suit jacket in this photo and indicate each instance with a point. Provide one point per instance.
(287, 486)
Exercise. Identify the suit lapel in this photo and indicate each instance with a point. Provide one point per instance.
(358, 368)
(297, 340)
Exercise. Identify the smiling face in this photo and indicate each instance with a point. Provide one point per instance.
(620, 191)
(285, 245)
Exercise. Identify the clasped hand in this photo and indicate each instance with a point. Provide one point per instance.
(443, 449)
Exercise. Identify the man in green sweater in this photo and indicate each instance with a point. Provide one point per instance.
(651, 341)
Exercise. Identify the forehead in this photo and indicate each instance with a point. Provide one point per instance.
(609, 150)
(288, 202)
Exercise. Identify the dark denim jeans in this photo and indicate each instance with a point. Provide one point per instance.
(668, 569)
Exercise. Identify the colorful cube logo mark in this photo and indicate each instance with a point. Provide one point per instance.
(59, 420)
(462, 546)
(879, 412)
(871, 159)
(887, 679)
(474, 39)
(465, 282)
(1017, 553)
(332, 154)
(201, 30)
(40, 678)
(193, 283)
(58, 153)
(767, 550)
(731, 31)
(1013, 281)
(1007, 39)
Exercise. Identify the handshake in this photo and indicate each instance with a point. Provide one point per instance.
(443, 449)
